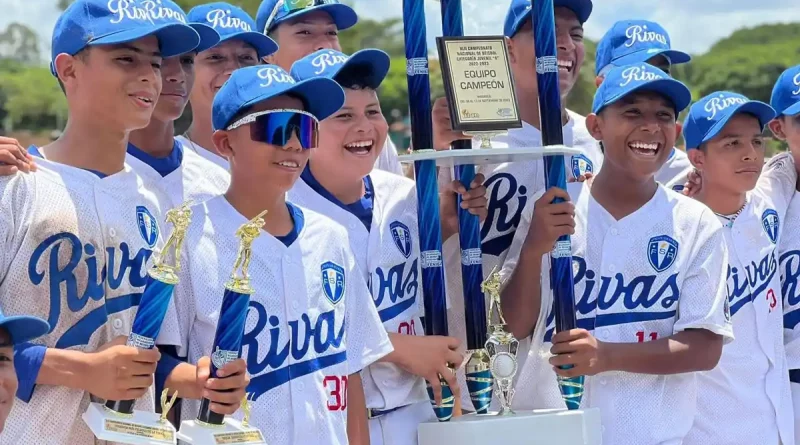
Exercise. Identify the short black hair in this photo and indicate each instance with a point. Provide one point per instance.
(356, 77)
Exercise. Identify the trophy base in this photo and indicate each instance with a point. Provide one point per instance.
(477, 156)
(230, 432)
(540, 427)
(139, 428)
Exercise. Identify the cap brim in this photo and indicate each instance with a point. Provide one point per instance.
(378, 60)
(209, 37)
(24, 328)
(760, 110)
(174, 39)
(264, 45)
(675, 57)
(677, 92)
(344, 16)
(793, 110)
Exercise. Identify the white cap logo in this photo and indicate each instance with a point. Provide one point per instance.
(219, 18)
(721, 103)
(638, 74)
(796, 82)
(148, 10)
(328, 59)
(637, 33)
(271, 74)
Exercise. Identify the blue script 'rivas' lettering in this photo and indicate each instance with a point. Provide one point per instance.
(790, 276)
(502, 189)
(44, 262)
(757, 276)
(399, 286)
(320, 335)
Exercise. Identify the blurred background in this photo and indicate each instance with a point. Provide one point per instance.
(737, 45)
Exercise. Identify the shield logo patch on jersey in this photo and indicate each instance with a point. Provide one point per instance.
(402, 237)
(148, 227)
(662, 251)
(333, 282)
(771, 224)
(581, 165)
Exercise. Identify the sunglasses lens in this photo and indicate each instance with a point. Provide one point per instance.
(278, 128)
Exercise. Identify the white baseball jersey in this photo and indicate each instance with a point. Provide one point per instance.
(509, 187)
(677, 164)
(752, 375)
(388, 254)
(789, 248)
(196, 178)
(652, 274)
(311, 322)
(204, 152)
(388, 159)
(75, 252)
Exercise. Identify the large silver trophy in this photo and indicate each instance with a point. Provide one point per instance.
(480, 91)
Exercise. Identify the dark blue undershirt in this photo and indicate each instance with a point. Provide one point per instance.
(299, 221)
(362, 208)
(163, 166)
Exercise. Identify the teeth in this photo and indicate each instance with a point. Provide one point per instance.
(290, 164)
(144, 99)
(644, 146)
(565, 64)
(359, 144)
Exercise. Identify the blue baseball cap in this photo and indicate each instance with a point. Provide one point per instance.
(254, 84)
(709, 115)
(328, 63)
(271, 13)
(23, 328)
(519, 12)
(786, 93)
(624, 80)
(102, 22)
(635, 41)
(232, 22)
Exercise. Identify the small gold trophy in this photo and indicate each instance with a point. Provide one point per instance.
(502, 346)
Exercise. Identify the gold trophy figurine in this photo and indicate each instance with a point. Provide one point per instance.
(167, 403)
(180, 218)
(501, 346)
(247, 233)
(246, 408)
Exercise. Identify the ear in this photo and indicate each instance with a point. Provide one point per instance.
(269, 60)
(678, 129)
(598, 80)
(65, 67)
(593, 126)
(776, 127)
(222, 142)
(697, 157)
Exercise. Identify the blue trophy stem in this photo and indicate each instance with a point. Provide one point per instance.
(480, 385)
(561, 278)
(227, 345)
(146, 327)
(430, 229)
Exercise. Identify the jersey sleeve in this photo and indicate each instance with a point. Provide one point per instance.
(779, 180)
(367, 340)
(789, 247)
(17, 196)
(703, 301)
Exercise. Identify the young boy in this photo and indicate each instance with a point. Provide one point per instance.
(154, 152)
(302, 27)
(723, 138)
(786, 127)
(511, 185)
(380, 212)
(311, 327)
(649, 268)
(78, 233)
(239, 46)
(642, 41)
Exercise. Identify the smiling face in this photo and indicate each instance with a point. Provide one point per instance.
(297, 38)
(114, 84)
(352, 138)
(638, 133)
(570, 46)
(733, 159)
(213, 67)
(177, 76)
(8, 377)
(256, 162)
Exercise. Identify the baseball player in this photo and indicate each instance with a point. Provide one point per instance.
(154, 153)
(637, 41)
(302, 27)
(786, 126)
(14, 331)
(649, 267)
(79, 231)
(240, 46)
(311, 326)
(723, 137)
(378, 209)
(511, 185)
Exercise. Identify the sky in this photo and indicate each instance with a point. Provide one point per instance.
(694, 25)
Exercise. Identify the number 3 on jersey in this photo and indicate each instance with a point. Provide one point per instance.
(336, 388)
(772, 300)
